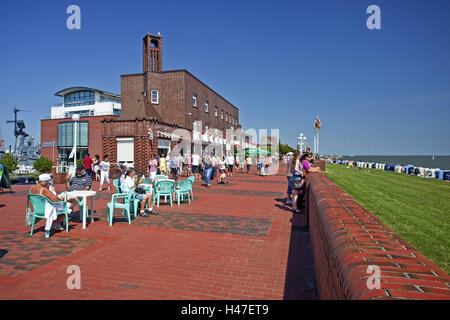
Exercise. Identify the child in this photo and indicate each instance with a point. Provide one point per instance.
(104, 172)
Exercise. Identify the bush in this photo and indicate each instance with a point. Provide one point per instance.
(10, 162)
(43, 164)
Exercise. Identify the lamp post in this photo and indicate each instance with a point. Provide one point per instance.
(304, 143)
(75, 118)
(300, 142)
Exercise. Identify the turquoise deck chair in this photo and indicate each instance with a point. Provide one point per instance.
(182, 188)
(163, 188)
(192, 178)
(38, 203)
(127, 198)
(160, 177)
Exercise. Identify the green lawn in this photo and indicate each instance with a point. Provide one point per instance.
(417, 209)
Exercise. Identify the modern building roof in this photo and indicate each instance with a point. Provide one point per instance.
(63, 92)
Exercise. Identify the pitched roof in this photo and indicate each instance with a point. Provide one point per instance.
(139, 110)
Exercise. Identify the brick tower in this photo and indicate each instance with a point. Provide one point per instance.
(152, 53)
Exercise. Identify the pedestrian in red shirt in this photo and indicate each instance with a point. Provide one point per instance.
(87, 162)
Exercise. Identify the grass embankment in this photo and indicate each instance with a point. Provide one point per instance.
(417, 209)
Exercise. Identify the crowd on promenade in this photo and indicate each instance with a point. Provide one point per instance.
(208, 167)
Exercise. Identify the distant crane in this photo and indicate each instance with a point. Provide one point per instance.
(19, 126)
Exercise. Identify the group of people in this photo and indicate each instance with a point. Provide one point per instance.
(78, 182)
(209, 166)
(298, 167)
(98, 170)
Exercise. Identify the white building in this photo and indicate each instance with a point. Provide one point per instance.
(86, 102)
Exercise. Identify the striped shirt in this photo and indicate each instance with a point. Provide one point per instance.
(80, 182)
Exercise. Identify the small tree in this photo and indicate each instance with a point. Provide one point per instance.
(10, 162)
(43, 164)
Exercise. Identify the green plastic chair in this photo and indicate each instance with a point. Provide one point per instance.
(38, 203)
(183, 188)
(127, 198)
(163, 188)
(192, 178)
(159, 177)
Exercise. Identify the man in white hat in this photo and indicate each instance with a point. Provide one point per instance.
(42, 188)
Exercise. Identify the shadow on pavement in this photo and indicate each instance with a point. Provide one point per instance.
(300, 275)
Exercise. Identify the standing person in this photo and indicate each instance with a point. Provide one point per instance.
(104, 172)
(173, 162)
(248, 162)
(258, 165)
(214, 167)
(195, 165)
(87, 162)
(306, 169)
(168, 166)
(97, 167)
(207, 165)
(289, 175)
(297, 179)
(152, 167)
(162, 164)
(230, 162)
(180, 165)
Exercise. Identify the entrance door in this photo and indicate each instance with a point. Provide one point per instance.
(125, 151)
(163, 147)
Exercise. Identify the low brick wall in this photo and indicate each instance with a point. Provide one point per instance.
(346, 239)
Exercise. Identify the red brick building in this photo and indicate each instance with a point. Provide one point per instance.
(161, 101)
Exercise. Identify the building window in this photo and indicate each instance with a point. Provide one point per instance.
(65, 134)
(206, 106)
(194, 100)
(221, 114)
(226, 117)
(215, 112)
(155, 96)
(79, 98)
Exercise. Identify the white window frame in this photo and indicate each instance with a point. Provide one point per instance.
(194, 99)
(216, 112)
(206, 106)
(157, 96)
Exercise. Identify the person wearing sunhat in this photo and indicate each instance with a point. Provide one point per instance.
(42, 188)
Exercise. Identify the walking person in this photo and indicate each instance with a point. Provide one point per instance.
(97, 167)
(207, 165)
(162, 164)
(152, 167)
(87, 162)
(104, 172)
(196, 165)
(248, 162)
(289, 176)
(230, 162)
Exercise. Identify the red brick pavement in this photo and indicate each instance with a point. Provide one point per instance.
(235, 241)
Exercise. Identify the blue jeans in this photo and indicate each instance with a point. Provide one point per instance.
(290, 186)
(208, 172)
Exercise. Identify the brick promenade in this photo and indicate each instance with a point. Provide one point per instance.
(235, 241)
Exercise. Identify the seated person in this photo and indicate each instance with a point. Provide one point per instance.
(42, 188)
(129, 182)
(81, 181)
(223, 176)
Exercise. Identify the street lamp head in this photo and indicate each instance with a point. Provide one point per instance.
(75, 117)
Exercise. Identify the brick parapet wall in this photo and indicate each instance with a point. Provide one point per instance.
(346, 239)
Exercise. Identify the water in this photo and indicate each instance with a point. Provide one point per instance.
(441, 162)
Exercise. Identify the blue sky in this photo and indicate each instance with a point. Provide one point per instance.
(280, 62)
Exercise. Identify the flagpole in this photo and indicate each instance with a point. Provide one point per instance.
(317, 143)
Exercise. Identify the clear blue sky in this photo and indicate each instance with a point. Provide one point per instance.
(280, 62)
